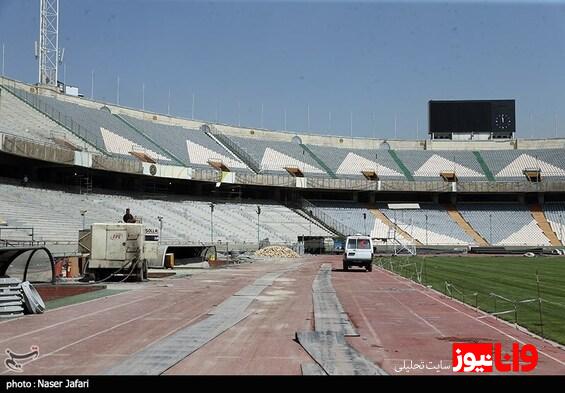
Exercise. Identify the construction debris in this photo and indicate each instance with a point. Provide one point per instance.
(32, 299)
(276, 251)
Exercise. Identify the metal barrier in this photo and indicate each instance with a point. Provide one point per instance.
(34, 149)
(319, 214)
(7, 242)
(265, 180)
(236, 149)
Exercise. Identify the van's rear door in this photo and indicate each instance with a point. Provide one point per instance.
(351, 248)
(364, 249)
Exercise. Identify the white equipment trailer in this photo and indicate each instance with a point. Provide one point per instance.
(118, 249)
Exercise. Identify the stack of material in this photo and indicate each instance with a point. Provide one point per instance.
(32, 299)
(276, 251)
(11, 301)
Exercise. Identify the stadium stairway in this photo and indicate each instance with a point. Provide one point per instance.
(401, 165)
(30, 122)
(316, 221)
(319, 161)
(144, 135)
(463, 224)
(234, 148)
(484, 166)
(381, 216)
(541, 220)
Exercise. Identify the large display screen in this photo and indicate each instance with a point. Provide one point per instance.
(472, 116)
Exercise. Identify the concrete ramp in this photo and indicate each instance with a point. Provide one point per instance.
(327, 344)
(328, 312)
(541, 220)
(335, 355)
(157, 358)
(312, 369)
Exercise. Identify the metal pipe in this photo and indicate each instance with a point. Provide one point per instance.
(212, 221)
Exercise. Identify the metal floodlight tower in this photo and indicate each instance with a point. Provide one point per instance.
(48, 50)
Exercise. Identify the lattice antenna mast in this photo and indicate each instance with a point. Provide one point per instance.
(48, 51)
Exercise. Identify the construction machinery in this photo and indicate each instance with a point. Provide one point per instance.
(117, 249)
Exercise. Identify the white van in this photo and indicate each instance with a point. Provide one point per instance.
(358, 252)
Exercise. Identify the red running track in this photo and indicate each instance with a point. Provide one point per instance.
(398, 322)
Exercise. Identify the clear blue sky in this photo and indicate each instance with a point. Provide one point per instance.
(340, 57)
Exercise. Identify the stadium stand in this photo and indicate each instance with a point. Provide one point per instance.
(18, 118)
(381, 230)
(424, 164)
(555, 215)
(430, 224)
(45, 119)
(49, 214)
(196, 151)
(351, 216)
(510, 164)
(391, 230)
(103, 127)
(504, 224)
(351, 162)
(541, 220)
(359, 219)
(275, 156)
(121, 135)
(463, 224)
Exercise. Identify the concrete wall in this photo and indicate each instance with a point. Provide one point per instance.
(557, 143)
(33, 149)
(470, 145)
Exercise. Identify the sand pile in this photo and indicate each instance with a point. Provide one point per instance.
(276, 251)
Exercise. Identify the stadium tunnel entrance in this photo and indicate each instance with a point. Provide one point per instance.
(34, 264)
(319, 245)
(170, 256)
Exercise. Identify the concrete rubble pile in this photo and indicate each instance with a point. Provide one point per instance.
(276, 251)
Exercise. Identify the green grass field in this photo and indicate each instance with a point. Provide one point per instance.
(496, 284)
